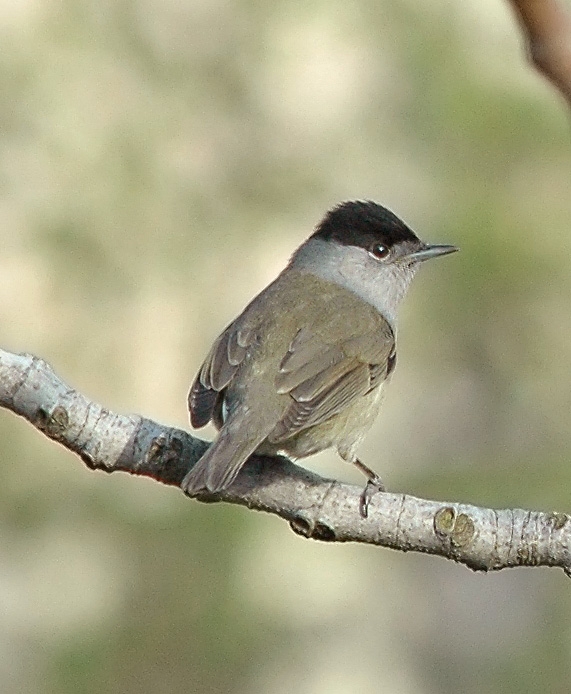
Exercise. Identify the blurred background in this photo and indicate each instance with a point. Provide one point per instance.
(159, 161)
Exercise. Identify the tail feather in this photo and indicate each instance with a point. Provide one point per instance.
(220, 465)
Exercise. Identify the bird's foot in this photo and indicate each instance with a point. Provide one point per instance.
(374, 485)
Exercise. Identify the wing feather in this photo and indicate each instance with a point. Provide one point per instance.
(326, 402)
(300, 365)
(323, 380)
(216, 373)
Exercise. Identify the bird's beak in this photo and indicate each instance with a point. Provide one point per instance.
(429, 251)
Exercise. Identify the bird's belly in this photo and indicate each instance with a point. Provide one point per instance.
(344, 431)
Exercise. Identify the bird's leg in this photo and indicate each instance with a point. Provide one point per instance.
(374, 485)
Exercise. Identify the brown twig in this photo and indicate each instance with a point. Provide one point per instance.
(546, 25)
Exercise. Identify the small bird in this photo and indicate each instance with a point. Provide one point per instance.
(303, 367)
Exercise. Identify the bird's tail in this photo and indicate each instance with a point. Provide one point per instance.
(218, 467)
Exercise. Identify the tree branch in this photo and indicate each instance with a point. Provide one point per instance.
(546, 26)
(482, 539)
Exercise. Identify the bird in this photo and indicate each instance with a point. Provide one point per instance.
(304, 367)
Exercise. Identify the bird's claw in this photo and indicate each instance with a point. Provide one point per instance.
(374, 485)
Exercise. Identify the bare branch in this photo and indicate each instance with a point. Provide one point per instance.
(322, 509)
(546, 25)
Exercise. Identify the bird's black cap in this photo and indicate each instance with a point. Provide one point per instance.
(362, 223)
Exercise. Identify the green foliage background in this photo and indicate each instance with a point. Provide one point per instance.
(159, 160)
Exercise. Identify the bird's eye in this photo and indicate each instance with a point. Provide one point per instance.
(379, 251)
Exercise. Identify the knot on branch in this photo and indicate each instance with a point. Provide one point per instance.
(52, 424)
(457, 528)
(164, 449)
(557, 520)
(314, 531)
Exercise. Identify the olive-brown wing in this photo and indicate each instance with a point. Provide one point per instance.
(323, 380)
(219, 368)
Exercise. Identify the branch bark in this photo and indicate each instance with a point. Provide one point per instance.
(323, 509)
(546, 26)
